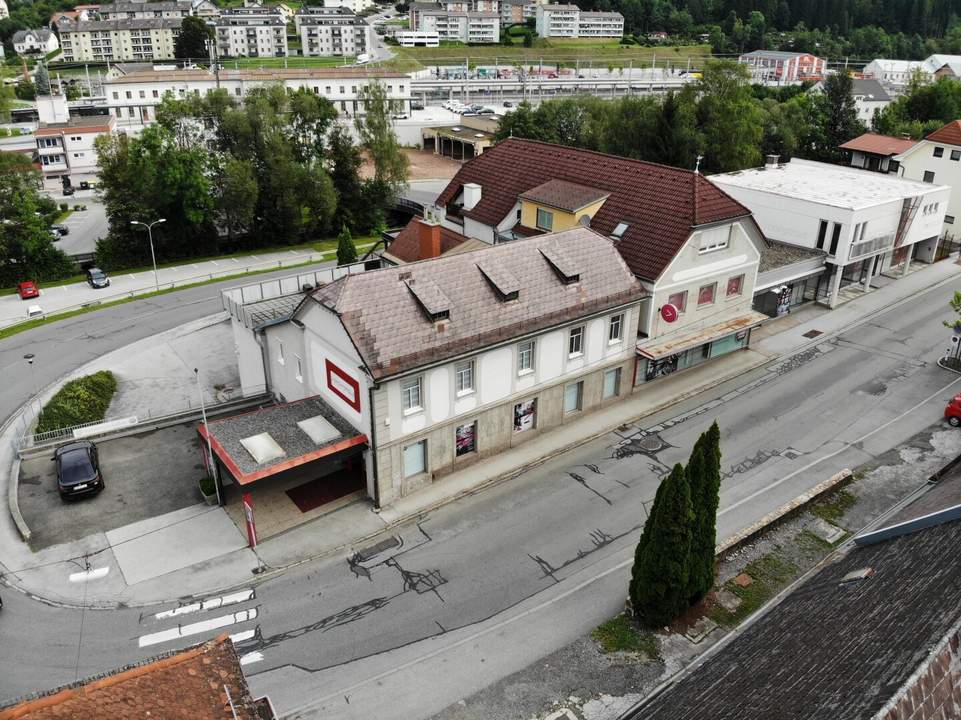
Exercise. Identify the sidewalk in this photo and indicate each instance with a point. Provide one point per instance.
(46, 573)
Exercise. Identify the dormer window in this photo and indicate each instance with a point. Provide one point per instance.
(620, 230)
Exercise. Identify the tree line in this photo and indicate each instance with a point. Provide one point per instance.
(720, 118)
(273, 169)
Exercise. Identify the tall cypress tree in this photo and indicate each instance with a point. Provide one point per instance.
(704, 476)
(661, 576)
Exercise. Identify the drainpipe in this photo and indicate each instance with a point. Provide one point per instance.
(373, 447)
(264, 358)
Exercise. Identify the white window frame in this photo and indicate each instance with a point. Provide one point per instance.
(575, 332)
(460, 370)
(548, 215)
(521, 352)
(615, 329)
(406, 397)
(299, 375)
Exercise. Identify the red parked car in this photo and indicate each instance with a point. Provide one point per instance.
(28, 289)
(953, 411)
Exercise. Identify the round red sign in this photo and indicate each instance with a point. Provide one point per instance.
(669, 312)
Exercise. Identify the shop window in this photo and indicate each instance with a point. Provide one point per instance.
(612, 383)
(411, 395)
(938, 151)
(525, 415)
(525, 357)
(614, 329)
(705, 296)
(679, 301)
(464, 377)
(465, 439)
(545, 219)
(575, 342)
(735, 285)
(573, 396)
(415, 459)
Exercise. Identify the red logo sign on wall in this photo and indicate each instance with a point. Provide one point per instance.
(343, 385)
(669, 312)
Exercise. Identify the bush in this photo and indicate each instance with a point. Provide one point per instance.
(64, 207)
(83, 400)
(77, 207)
(207, 486)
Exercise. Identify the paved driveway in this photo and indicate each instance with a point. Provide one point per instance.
(145, 475)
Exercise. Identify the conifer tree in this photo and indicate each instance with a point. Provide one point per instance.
(346, 250)
(704, 478)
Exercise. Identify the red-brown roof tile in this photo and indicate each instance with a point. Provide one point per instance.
(188, 684)
(950, 134)
(406, 246)
(879, 144)
(564, 195)
(658, 202)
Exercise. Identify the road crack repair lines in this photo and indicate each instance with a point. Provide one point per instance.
(207, 617)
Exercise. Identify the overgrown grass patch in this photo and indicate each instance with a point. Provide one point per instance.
(770, 573)
(79, 401)
(622, 634)
(834, 506)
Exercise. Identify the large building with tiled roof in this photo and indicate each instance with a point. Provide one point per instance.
(204, 682)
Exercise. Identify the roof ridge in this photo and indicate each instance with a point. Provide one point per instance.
(621, 158)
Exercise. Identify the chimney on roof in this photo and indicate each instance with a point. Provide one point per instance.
(771, 161)
(428, 234)
(472, 195)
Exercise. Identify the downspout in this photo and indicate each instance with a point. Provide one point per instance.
(264, 359)
(373, 447)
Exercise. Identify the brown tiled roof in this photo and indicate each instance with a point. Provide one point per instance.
(656, 201)
(879, 144)
(393, 334)
(406, 246)
(84, 124)
(187, 684)
(564, 195)
(950, 134)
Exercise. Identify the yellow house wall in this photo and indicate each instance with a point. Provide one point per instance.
(562, 220)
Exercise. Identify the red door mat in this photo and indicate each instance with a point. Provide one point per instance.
(325, 489)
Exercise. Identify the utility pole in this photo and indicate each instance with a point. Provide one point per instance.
(153, 257)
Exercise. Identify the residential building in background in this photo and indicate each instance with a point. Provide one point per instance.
(895, 75)
(569, 21)
(878, 153)
(40, 42)
(512, 12)
(600, 24)
(4, 10)
(127, 10)
(467, 27)
(251, 32)
(777, 66)
(869, 97)
(417, 38)
(132, 97)
(866, 222)
(204, 9)
(937, 159)
(136, 39)
(332, 31)
(355, 6)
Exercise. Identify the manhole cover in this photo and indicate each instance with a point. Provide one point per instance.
(650, 443)
(791, 454)
(813, 333)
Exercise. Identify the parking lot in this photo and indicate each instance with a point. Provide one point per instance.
(144, 476)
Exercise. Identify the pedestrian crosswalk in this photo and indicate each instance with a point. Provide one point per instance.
(200, 620)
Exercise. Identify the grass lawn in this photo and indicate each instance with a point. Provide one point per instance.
(289, 62)
(622, 634)
(600, 52)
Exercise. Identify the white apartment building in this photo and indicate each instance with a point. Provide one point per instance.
(138, 39)
(65, 145)
(355, 6)
(128, 10)
(40, 41)
(251, 32)
(569, 21)
(937, 159)
(866, 222)
(417, 38)
(132, 98)
(331, 31)
(466, 27)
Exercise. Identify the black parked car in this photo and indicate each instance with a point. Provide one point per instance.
(78, 469)
(97, 278)
(61, 228)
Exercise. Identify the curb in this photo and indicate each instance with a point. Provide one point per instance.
(949, 369)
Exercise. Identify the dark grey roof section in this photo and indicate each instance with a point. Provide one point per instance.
(500, 277)
(776, 254)
(430, 296)
(43, 34)
(566, 269)
(163, 5)
(151, 23)
(272, 310)
(870, 89)
(832, 650)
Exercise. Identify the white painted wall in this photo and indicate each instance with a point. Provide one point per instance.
(946, 171)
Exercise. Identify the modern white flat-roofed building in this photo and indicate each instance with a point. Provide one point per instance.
(467, 27)
(557, 20)
(332, 31)
(328, 12)
(132, 98)
(895, 75)
(866, 222)
(355, 6)
(600, 24)
(136, 39)
(417, 38)
(937, 159)
(251, 32)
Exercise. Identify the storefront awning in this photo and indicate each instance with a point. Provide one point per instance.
(258, 444)
(664, 346)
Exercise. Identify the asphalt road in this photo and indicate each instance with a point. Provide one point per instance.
(86, 226)
(482, 587)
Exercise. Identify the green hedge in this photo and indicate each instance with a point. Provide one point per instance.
(83, 400)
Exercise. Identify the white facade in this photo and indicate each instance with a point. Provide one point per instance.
(466, 27)
(417, 38)
(341, 35)
(937, 162)
(600, 24)
(866, 222)
(65, 147)
(251, 32)
(41, 41)
(133, 98)
(569, 21)
(139, 39)
(128, 10)
(356, 6)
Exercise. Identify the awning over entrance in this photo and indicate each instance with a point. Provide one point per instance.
(674, 343)
(273, 439)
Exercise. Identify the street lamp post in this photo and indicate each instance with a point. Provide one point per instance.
(153, 257)
(210, 450)
(30, 357)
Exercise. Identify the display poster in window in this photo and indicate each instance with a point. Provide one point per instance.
(784, 301)
(465, 439)
(659, 368)
(524, 415)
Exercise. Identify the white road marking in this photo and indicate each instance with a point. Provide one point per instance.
(64, 288)
(208, 604)
(86, 575)
(131, 276)
(215, 262)
(242, 636)
(235, 260)
(255, 257)
(251, 658)
(193, 265)
(197, 627)
(293, 252)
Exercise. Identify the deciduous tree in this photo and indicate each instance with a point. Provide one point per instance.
(192, 40)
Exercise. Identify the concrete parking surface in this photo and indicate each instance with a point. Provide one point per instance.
(144, 475)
